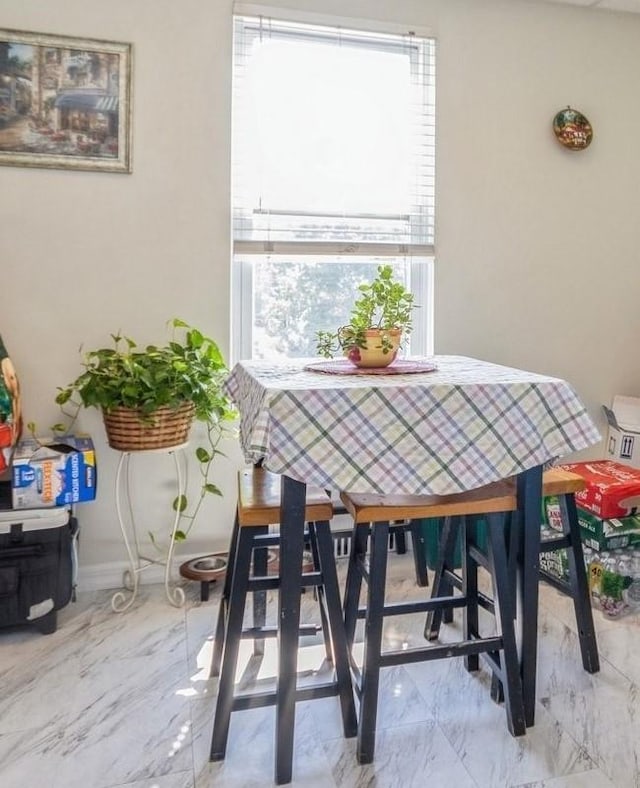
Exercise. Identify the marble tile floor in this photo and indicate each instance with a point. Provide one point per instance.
(124, 700)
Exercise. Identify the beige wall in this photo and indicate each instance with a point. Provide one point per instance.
(537, 246)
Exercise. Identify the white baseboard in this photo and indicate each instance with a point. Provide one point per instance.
(107, 576)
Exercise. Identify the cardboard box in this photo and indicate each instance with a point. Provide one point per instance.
(613, 490)
(47, 473)
(623, 439)
(609, 534)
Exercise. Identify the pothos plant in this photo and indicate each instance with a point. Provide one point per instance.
(188, 368)
(384, 304)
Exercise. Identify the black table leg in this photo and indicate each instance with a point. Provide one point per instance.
(529, 508)
(291, 549)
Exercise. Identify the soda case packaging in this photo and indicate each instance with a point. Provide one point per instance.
(613, 489)
(555, 562)
(596, 532)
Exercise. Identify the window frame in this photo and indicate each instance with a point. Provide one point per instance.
(421, 255)
(421, 273)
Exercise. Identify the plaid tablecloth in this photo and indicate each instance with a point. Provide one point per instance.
(467, 424)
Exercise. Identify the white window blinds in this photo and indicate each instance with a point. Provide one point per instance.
(333, 140)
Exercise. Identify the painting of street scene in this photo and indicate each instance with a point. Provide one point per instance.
(64, 102)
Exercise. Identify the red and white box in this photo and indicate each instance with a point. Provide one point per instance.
(613, 489)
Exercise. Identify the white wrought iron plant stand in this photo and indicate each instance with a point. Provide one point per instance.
(137, 561)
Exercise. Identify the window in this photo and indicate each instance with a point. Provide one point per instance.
(333, 174)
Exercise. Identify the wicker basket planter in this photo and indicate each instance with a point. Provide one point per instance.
(132, 385)
(165, 427)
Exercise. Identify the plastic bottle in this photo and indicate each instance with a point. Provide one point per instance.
(632, 592)
(595, 575)
(564, 563)
(611, 601)
(623, 568)
(587, 554)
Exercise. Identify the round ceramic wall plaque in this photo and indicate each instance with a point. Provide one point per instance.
(572, 129)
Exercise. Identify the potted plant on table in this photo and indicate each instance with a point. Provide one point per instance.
(379, 320)
(150, 397)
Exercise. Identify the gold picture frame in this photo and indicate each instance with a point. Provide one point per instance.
(65, 102)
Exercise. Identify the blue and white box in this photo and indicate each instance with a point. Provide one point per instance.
(56, 472)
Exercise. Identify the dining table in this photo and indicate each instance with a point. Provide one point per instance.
(433, 426)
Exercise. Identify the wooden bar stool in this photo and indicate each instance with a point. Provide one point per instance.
(371, 515)
(259, 493)
(564, 485)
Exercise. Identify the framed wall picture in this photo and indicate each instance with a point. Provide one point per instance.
(64, 102)
(572, 129)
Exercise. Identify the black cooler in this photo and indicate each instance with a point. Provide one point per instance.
(37, 565)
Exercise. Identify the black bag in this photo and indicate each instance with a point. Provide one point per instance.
(37, 549)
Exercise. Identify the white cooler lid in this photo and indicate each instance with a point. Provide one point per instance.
(33, 519)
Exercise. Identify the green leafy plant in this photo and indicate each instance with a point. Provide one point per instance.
(384, 304)
(190, 368)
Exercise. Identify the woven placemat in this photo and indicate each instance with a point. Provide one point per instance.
(400, 366)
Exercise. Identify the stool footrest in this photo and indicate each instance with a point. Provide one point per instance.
(479, 556)
(453, 578)
(269, 583)
(265, 540)
(423, 606)
(255, 633)
(263, 583)
(485, 602)
(462, 649)
(271, 539)
(259, 700)
(492, 658)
